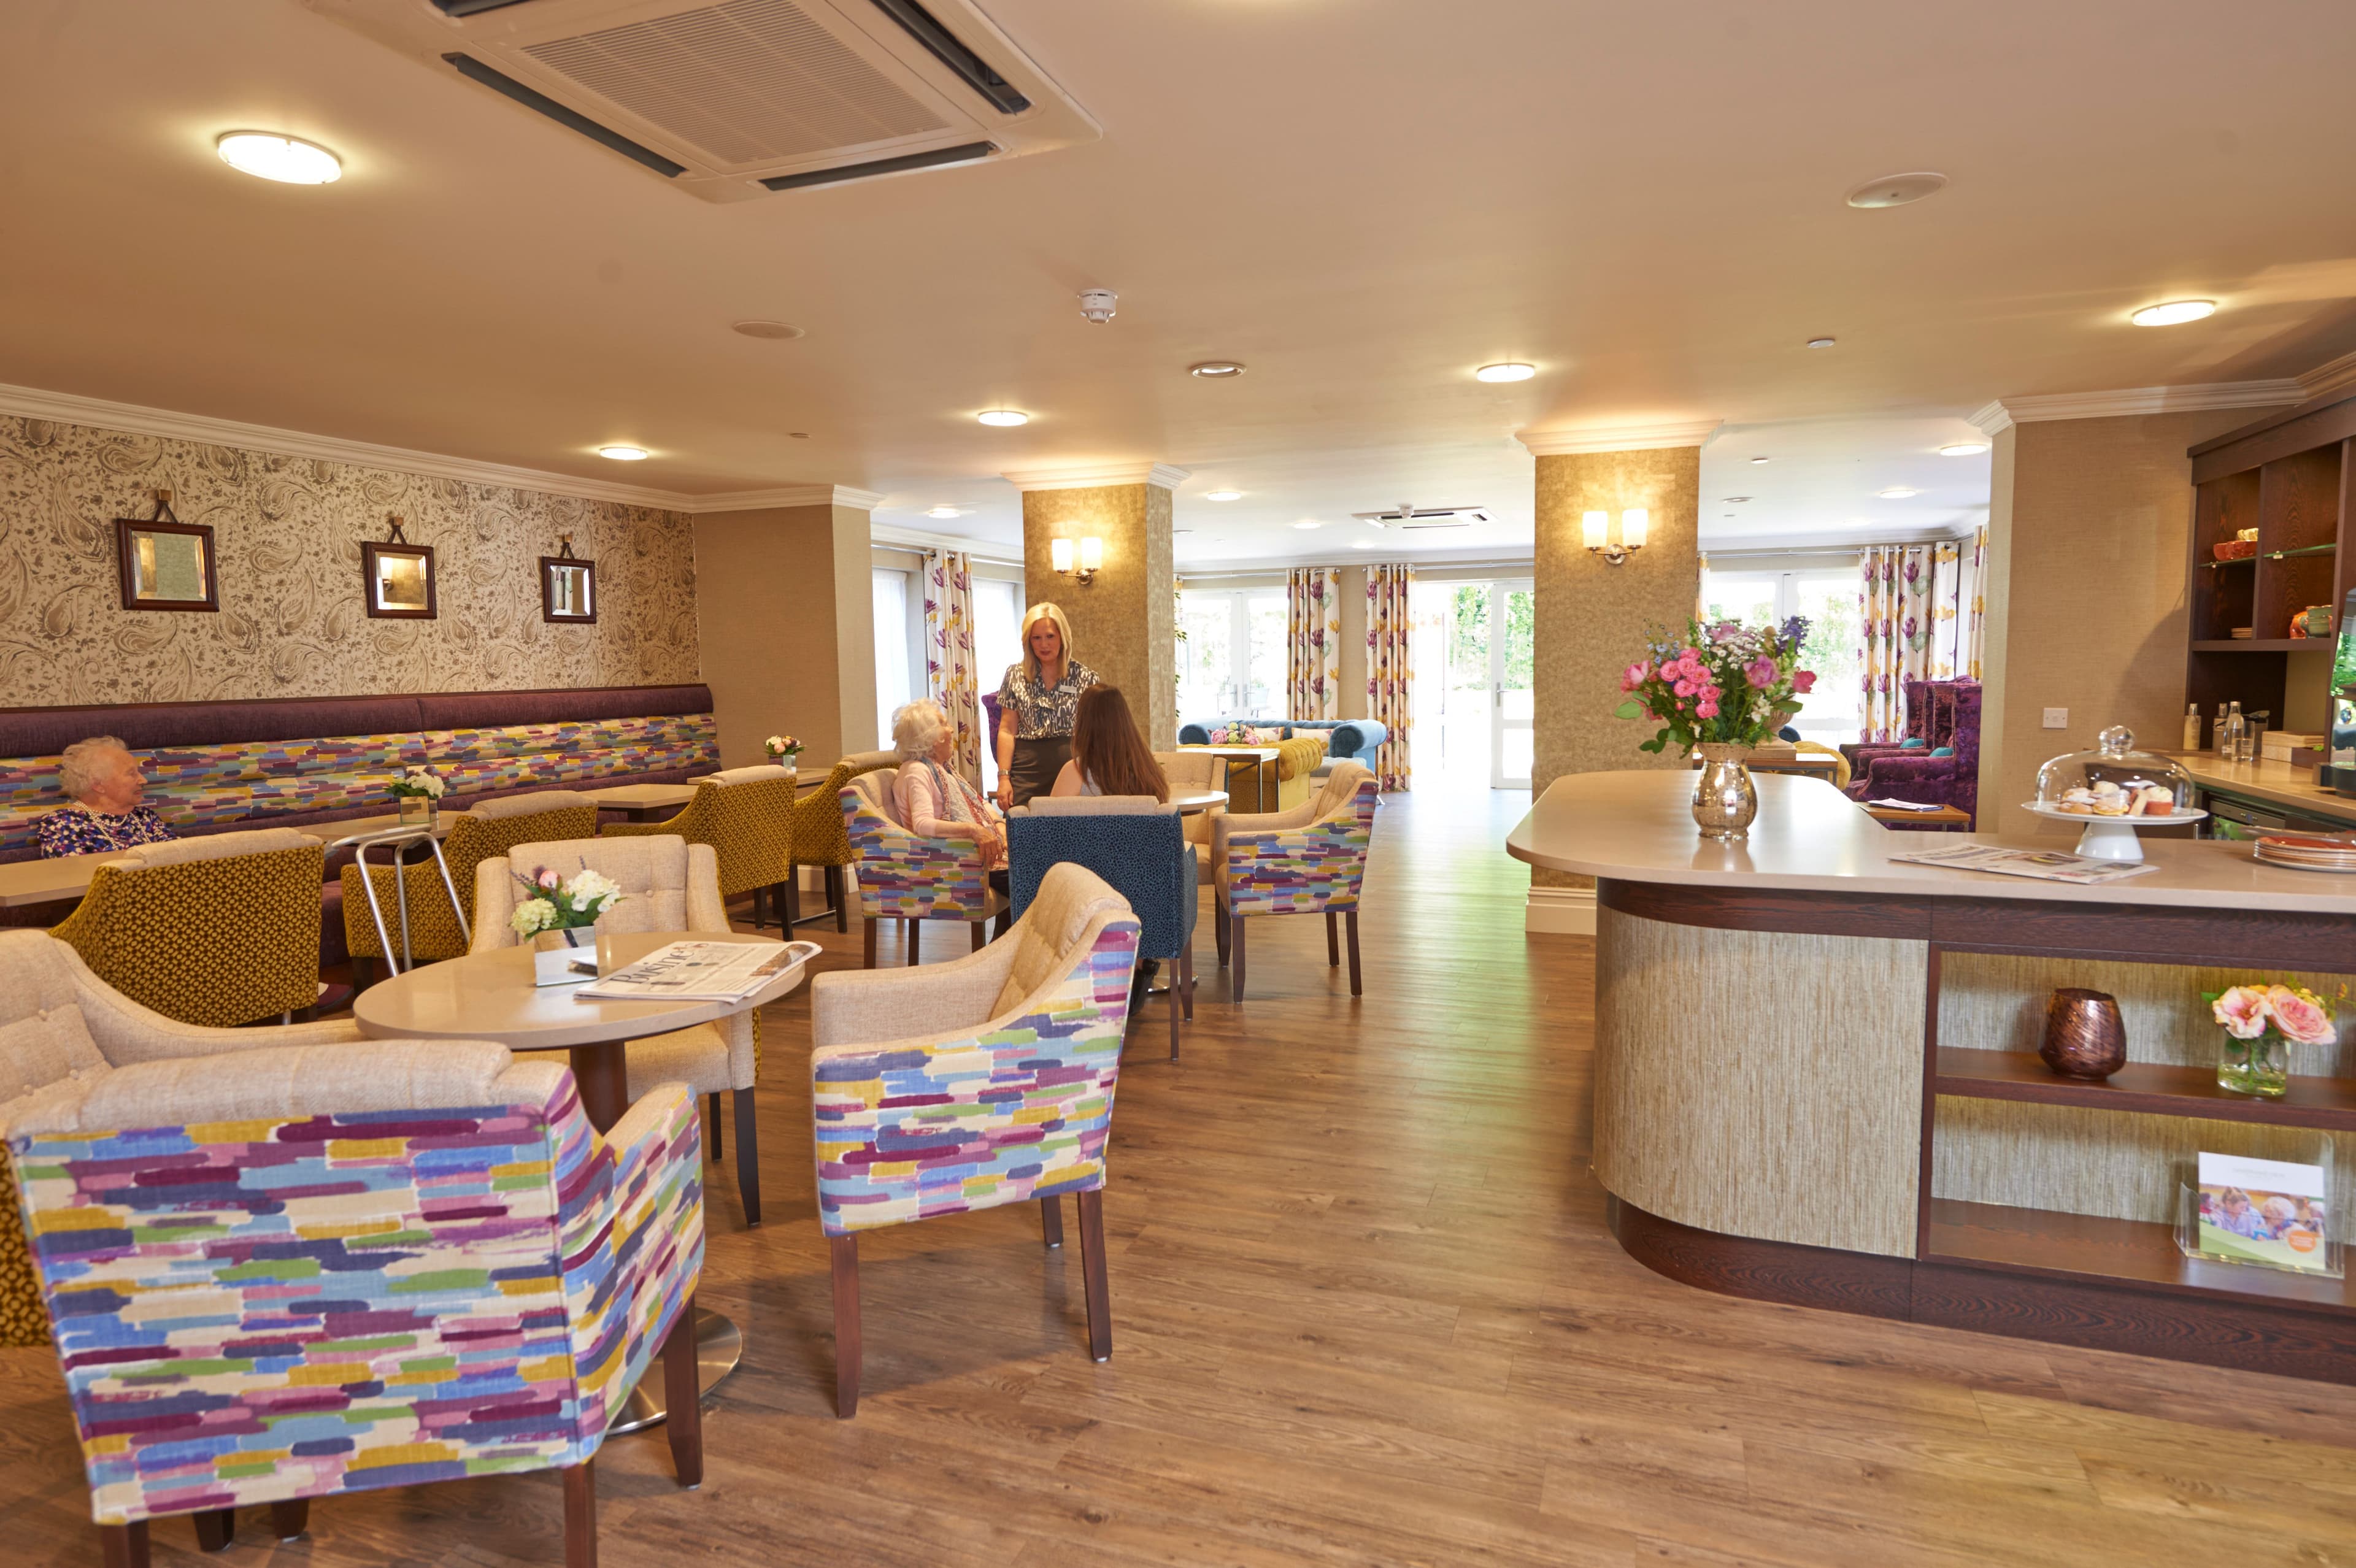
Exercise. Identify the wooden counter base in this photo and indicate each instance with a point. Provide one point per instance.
(2144, 1320)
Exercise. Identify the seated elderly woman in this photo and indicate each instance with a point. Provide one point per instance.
(933, 800)
(102, 779)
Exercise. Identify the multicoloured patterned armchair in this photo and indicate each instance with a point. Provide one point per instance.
(283, 1263)
(747, 816)
(1004, 1096)
(493, 828)
(1308, 861)
(219, 931)
(901, 877)
(820, 837)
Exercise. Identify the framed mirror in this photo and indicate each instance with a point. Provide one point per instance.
(568, 589)
(165, 564)
(399, 580)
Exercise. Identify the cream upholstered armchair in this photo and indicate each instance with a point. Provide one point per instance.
(273, 1279)
(1310, 860)
(973, 1084)
(1193, 771)
(670, 885)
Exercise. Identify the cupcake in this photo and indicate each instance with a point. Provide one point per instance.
(2110, 800)
(2156, 800)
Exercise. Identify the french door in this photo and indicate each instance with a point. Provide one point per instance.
(1512, 705)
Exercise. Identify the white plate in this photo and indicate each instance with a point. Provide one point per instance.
(2113, 838)
(2177, 820)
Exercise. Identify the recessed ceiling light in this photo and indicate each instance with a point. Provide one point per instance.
(1896, 492)
(798, 435)
(2174, 312)
(775, 330)
(1820, 341)
(1963, 449)
(1511, 372)
(1223, 494)
(1736, 500)
(1215, 369)
(1182, 530)
(945, 512)
(1897, 190)
(1003, 417)
(282, 159)
(624, 454)
(1760, 460)
(1306, 524)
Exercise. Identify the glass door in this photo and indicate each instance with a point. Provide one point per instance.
(1231, 655)
(1513, 706)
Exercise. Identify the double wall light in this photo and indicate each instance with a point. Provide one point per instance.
(1090, 552)
(1595, 533)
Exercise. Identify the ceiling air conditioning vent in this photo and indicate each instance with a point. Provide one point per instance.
(732, 99)
(1404, 515)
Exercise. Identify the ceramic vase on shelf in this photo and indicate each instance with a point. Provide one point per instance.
(2260, 1066)
(2084, 1037)
(1724, 798)
(416, 810)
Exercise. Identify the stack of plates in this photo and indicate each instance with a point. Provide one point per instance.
(2306, 852)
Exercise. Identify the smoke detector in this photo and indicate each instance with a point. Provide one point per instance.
(1098, 304)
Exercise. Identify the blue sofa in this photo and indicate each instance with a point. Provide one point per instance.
(1355, 739)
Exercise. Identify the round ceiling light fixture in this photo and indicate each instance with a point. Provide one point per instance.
(624, 454)
(774, 331)
(1963, 449)
(1897, 190)
(1821, 342)
(2174, 312)
(268, 155)
(1223, 496)
(1736, 500)
(1215, 369)
(1305, 523)
(1003, 417)
(1762, 459)
(1506, 372)
(1897, 493)
(945, 512)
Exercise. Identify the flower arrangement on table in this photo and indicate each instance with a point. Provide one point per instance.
(556, 905)
(2260, 1022)
(417, 791)
(782, 749)
(1726, 684)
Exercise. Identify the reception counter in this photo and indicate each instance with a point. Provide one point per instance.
(1816, 1077)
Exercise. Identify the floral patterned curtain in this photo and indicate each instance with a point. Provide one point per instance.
(949, 676)
(1894, 619)
(1957, 606)
(1388, 673)
(1312, 642)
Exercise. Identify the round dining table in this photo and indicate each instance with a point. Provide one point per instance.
(491, 995)
(1190, 801)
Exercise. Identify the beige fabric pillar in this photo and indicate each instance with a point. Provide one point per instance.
(786, 614)
(1125, 622)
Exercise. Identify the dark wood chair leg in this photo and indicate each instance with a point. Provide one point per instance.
(871, 944)
(790, 890)
(581, 1515)
(748, 1158)
(683, 1396)
(290, 1518)
(719, 1138)
(840, 897)
(1219, 924)
(1186, 973)
(1092, 1270)
(916, 940)
(216, 1528)
(1236, 958)
(1350, 922)
(981, 929)
(123, 1545)
(760, 908)
(1051, 1221)
(842, 1255)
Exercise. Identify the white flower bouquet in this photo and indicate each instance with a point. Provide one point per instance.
(423, 782)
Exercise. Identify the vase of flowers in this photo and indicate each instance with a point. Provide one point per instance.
(559, 920)
(1720, 692)
(2260, 1024)
(785, 750)
(417, 793)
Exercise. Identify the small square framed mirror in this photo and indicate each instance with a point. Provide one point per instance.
(568, 589)
(165, 565)
(399, 581)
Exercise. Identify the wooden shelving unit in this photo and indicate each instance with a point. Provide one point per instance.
(2325, 1104)
(2085, 1247)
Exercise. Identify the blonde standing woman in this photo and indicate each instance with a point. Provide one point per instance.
(1036, 704)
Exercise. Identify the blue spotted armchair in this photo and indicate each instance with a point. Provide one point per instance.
(1310, 860)
(1136, 844)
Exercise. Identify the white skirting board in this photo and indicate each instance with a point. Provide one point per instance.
(1561, 912)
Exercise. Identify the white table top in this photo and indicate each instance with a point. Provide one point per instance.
(1638, 826)
(328, 832)
(642, 796)
(490, 995)
(1188, 801)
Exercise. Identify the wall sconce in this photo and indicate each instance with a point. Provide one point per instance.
(1595, 529)
(1091, 554)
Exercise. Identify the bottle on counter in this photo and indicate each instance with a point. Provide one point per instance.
(2229, 734)
(2192, 726)
(2217, 734)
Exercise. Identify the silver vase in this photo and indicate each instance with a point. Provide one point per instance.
(1724, 799)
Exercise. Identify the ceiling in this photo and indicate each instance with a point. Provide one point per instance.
(1361, 199)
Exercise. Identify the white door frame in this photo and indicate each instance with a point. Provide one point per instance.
(1498, 723)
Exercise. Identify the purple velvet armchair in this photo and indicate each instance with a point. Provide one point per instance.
(1921, 725)
(1917, 776)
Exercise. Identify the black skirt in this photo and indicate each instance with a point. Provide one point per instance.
(1036, 763)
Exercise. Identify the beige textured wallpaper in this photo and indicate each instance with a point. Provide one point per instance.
(788, 629)
(291, 622)
(1124, 624)
(1593, 616)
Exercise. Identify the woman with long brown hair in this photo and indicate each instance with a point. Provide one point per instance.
(1109, 755)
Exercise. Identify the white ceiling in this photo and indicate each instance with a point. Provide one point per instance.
(1361, 199)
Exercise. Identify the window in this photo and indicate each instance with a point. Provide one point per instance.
(899, 633)
(1828, 597)
(1231, 654)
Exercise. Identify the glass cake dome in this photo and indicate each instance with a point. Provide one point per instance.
(2113, 789)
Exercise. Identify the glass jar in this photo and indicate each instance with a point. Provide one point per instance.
(2260, 1066)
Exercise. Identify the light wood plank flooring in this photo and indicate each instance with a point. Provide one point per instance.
(1366, 1313)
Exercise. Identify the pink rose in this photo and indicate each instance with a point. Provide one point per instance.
(1685, 688)
(1638, 674)
(1804, 681)
(1759, 673)
(544, 877)
(1707, 709)
(2299, 1018)
(2243, 1011)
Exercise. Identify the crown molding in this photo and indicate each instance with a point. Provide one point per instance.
(1096, 475)
(1622, 438)
(784, 496)
(2000, 415)
(919, 538)
(2330, 378)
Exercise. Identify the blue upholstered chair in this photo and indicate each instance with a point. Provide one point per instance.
(1136, 844)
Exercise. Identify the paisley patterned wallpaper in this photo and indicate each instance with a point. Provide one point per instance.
(291, 622)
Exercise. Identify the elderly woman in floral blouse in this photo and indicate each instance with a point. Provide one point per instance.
(102, 779)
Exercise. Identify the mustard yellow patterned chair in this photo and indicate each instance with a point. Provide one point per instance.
(821, 839)
(219, 931)
(747, 816)
(493, 828)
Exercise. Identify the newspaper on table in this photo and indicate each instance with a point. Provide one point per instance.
(2045, 865)
(691, 971)
(1906, 804)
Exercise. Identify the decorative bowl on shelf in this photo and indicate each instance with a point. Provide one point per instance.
(2113, 790)
(2236, 549)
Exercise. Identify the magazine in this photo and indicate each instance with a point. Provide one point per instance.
(2045, 865)
(693, 971)
(2265, 1211)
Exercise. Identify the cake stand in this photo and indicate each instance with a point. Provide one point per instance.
(2113, 837)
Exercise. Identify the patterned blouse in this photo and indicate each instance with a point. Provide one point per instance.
(1043, 712)
(77, 829)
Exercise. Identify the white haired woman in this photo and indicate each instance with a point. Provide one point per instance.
(103, 780)
(933, 800)
(1036, 705)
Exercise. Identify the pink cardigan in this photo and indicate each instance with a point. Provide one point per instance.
(923, 812)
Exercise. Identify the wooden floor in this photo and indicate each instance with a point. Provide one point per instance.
(1366, 1313)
